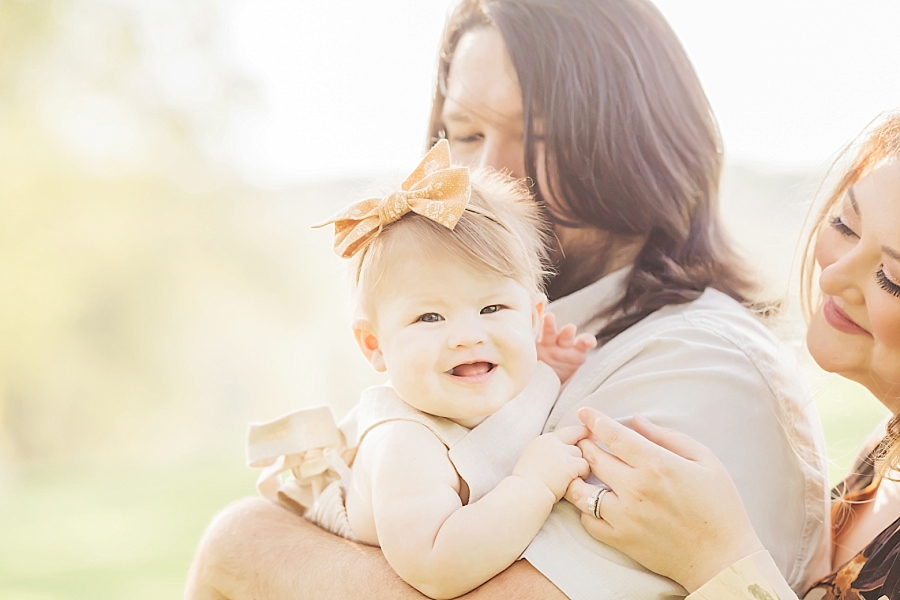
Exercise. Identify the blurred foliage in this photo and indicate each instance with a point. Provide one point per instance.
(150, 303)
(147, 297)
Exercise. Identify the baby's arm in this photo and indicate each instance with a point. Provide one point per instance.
(436, 544)
(563, 350)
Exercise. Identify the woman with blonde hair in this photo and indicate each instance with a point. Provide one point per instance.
(676, 495)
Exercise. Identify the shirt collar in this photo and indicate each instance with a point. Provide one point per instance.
(581, 307)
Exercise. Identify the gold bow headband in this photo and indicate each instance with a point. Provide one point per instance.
(435, 190)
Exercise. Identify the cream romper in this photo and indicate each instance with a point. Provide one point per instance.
(316, 454)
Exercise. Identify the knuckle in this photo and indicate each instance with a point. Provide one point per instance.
(612, 438)
(657, 467)
(587, 453)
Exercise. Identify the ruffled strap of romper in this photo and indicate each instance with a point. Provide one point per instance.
(306, 443)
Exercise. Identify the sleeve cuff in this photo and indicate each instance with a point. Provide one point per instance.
(753, 577)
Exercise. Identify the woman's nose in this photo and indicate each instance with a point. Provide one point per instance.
(844, 276)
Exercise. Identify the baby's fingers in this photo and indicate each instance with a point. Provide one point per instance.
(584, 468)
(566, 336)
(572, 435)
(548, 329)
(585, 342)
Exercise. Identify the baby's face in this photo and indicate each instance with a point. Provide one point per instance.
(455, 343)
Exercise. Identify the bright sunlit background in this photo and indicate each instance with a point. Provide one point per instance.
(160, 164)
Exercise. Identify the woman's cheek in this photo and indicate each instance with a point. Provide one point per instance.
(829, 247)
(884, 319)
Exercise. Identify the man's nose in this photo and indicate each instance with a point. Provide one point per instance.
(499, 156)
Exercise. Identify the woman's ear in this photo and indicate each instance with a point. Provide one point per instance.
(368, 344)
(537, 315)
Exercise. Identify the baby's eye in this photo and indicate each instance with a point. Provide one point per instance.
(429, 318)
(487, 310)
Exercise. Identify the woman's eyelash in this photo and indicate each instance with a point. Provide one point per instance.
(886, 284)
(841, 227)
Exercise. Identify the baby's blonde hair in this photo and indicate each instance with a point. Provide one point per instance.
(501, 231)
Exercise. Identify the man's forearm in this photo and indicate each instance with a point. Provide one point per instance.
(254, 549)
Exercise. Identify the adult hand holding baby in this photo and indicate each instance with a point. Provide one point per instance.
(661, 481)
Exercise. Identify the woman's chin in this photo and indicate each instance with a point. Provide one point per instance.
(830, 348)
(846, 355)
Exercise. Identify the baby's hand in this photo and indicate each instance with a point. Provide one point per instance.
(554, 460)
(563, 350)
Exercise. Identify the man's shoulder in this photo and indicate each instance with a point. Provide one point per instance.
(712, 340)
(713, 318)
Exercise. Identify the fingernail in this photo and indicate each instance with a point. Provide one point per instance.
(584, 414)
(640, 419)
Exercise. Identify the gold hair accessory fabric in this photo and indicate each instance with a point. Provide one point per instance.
(435, 190)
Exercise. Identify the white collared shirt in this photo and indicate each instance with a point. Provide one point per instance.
(711, 370)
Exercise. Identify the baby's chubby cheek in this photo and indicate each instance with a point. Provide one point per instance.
(521, 372)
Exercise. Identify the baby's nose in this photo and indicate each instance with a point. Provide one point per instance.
(466, 334)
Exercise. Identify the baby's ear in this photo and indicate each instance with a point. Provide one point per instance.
(368, 343)
(537, 314)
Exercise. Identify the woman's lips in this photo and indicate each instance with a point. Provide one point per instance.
(838, 319)
(473, 372)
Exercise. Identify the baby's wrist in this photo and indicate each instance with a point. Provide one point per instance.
(559, 370)
(564, 374)
(536, 486)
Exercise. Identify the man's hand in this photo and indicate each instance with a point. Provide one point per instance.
(563, 350)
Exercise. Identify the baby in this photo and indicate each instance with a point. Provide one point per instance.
(444, 468)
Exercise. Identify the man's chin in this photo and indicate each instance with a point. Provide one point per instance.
(570, 278)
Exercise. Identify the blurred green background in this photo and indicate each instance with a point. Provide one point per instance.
(151, 302)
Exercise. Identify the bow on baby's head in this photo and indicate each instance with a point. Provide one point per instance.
(435, 190)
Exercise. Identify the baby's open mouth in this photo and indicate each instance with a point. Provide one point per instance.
(472, 369)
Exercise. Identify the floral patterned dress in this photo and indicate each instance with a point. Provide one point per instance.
(874, 573)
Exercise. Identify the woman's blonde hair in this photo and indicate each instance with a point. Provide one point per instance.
(501, 232)
(879, 142)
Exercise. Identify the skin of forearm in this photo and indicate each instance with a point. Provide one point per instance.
(254, 549)
(476, 542)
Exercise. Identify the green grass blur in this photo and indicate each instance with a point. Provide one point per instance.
(849, 415)
(109, 534)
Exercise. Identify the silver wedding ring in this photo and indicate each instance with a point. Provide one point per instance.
(595, 500)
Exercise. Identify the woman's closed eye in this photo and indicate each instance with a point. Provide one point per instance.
(429, 318)
(886, 284)
(838, 224)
